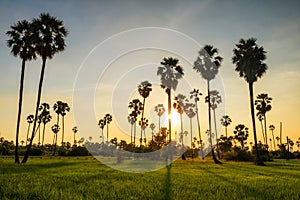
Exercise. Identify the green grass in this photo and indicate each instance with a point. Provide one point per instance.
(86, 178)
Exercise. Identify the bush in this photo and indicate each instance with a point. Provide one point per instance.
(238, 154)
(35, 152)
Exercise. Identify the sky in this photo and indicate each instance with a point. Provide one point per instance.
(113, 33)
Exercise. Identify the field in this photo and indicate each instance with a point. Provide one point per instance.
(86, 178)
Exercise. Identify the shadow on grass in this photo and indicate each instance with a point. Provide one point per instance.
(168, 183)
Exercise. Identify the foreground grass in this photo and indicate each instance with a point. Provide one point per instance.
(86, 178)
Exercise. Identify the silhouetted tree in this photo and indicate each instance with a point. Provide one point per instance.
(249, 61)
(241, 134)
(108, 119)
(75, 130)
(261, 118)
(45, 117)
(207, 64)
(22, 44)
(49, 34)
(152, 127)
(160, 110)
(136, 107)
(263, 106)
(101, 124)
(272, 128)
(225, 121)
(30, 119)
(55, 128)
(169, 74)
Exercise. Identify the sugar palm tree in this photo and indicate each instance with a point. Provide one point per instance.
(50, 39)
(137, 108)
(61, 108)
(249, 60)
(215, 99)
(75, 130)
(45, 117)
(261, 119)
(160, 110)
(29, 119)
(263, 106)
(241, 134)
(277, 139)
(152, 127)
(55, 128)
(225, 121)
(65, 109)
(144, 89)
(22, 44)
(169, 74)
(195, 95)
(189, 109)
(272, 128)
(108, 119)
(131, 121)
(101, 124)
(207, 64)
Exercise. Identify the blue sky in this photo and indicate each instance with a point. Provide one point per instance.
(275, 24)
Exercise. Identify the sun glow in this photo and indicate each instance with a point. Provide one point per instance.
(175, 118)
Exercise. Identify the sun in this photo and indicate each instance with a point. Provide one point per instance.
(175, 117)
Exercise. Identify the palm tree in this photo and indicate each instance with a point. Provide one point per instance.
(207, 64)
(136, 107)
(30, 119)
(108, 119)
(261, 118)
(131, 121)
(143, 123)
(152, 127)
(189, 109)
(277, 139)
(22, 45)
(215, 99)
(50, 39)
(263, 106)
(249, 61)
(170, 72)
(241, 134)
(75, 130)
(195, 94)
(144, 89)
(65, 109)
(272, 128)
(45, 117)
(225, 121)
(101, 124)
(160, 110)
(55, 128)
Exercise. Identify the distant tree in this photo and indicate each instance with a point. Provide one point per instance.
(195, 95)
(136, 106)
(132, 122)
(207, 64)
(55, 129)
(169, 74)
(75, 130)
(241, 134)
(152, 127)
(45, 117)
(249, 61)
(263, 106)
(101, 124)
(261, 119)
(66, 109)
(272, 128)
(160, 110)
(108, 119)
(189, 109)
(61, 108)
(278, 139)
(225, 143)
(144, 89)
(49, 34)
(30, 119)
(225, 121)
(22, 44)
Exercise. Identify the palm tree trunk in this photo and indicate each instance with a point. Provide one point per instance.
(280, 133)
(107, 133)
(142, 122)
(169, 113)
(209, 124)
(262, 130)
(258, 160)
(63, 130)
(36, 109)
(134, 133)
(199, 130)
(39, 142)
(17, 160)
(43, 135)
(55, 144)
(27, 134)
(74, 138)
(181, 128)
(265, 121)
(131, 132)
(273, 141)
(216, 131)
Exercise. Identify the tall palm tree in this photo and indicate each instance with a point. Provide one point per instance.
(160, 110)
(55, 128)
(249, 60)
(50, 39)
(101, 124)
(272, 128)
(278, 139)
(215, 99)
(108, 119)
(169, 73)
(137, 107)
(131, 121)
(30, 119)
(45, 117)
(152, 127)
(195, 94)
(75, 130)
(225, 121)
(263, 106)
(207, 64)
(260, 117)
(144, 89)
(65, 109)
(189, 109)
(22, 44)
